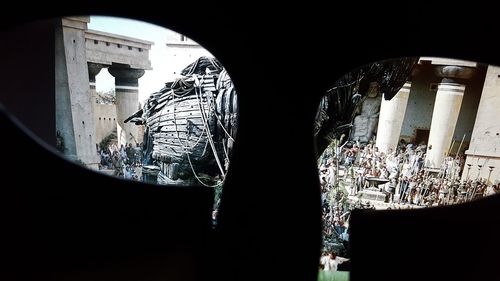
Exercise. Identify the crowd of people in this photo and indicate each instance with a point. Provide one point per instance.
(403, 169)
(125, 161)
(344, 171)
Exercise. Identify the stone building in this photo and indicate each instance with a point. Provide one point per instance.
(80, 54)
(483, 155)
(448, 105)
(181, 49)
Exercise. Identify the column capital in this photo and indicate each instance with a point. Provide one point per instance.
(454, 72)
(94, 69)
(125, 75)
(123, 72)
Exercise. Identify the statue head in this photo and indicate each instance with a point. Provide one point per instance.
(373, 89)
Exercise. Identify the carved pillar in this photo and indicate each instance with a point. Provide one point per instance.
(127, 100)
(392, 114)
(445, 114)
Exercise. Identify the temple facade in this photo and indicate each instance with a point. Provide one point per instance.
(451, 107)
(80, 54)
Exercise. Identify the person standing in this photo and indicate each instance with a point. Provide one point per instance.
(331, 261)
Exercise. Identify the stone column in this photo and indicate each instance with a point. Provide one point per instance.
(445, 114)
(392, 114)
(484, 148)
(94, 69)
(127, 101)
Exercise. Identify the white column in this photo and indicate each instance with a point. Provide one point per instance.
(127, 101)
(94, 69)
(444, 119)
(392, 113)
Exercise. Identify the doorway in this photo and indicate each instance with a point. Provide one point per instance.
(421, 136)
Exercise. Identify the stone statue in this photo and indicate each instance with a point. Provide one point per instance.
(60, 142)
(343, 101)
(366, 122)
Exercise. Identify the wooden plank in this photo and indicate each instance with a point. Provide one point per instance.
(177, 152)
(195, 142)
(181, 125)
(182, 135)
(169, 101)
(180, 112)
(171, 108)
(163, 156)
(182, 122)
(185, 142)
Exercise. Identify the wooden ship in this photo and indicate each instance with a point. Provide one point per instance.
(190, 126)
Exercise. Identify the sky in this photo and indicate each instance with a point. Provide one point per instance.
(153, 80)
